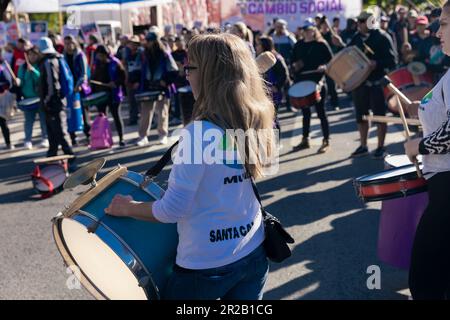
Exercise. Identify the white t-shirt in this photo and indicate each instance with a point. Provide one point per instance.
(219, 218)
(434, 111)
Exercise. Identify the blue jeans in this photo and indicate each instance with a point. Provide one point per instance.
(241, 280)
(30, 117)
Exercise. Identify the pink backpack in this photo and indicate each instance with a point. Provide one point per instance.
(101, 135)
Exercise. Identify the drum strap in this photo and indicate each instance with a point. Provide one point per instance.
(37, 175)
(154, 171)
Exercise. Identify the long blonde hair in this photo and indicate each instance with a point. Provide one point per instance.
(233, 94)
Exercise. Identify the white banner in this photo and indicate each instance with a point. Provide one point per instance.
(33, 6)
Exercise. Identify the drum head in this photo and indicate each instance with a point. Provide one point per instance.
(55, 173)
(28, 102)
(302, 89)
(389, 175)
(116, 281)
(397, 161)
(417, 68)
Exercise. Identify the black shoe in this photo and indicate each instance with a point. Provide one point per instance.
(325, 146)
(361, 151)
(380, 153)
(122, 144)
(303, 145)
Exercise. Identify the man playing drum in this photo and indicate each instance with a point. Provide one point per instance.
(378, 46)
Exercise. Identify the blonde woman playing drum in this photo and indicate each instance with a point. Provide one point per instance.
(220, 252)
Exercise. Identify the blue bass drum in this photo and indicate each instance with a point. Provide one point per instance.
(116, 258)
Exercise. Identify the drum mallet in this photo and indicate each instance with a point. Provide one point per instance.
(11, 72)
(399, 95)
(98, 83)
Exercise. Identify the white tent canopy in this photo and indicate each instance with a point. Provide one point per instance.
(33, 6)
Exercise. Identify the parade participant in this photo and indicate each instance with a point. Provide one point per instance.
(110, 71)
(77, 61)
(429, 275)
(7, 104)
(90, 50)
(350, 31)
(328, 35)
(29, 77)
(370, 94)
(18, 55)
(421, 40)
(57, 42)
(310, 54)
(180, 56)
(132, 59)
(50, 94)
(278, 75)
(284, 40)
(240, 29)
(121, 50)
(230, 94)
(384, 25)
(158, 71)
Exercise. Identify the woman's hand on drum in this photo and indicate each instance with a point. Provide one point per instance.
(412, 149)
(120, 206)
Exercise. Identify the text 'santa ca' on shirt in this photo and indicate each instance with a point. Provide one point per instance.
(218, 216)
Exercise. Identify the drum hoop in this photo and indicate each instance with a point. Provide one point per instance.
(139, 270)
(411, 176)
(396, 195)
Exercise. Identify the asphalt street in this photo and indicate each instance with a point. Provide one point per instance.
(313, 195)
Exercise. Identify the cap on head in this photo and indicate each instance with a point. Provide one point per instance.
(46, 45)
(151, 36)
(422, 20)
(363, 16)
(308, 24)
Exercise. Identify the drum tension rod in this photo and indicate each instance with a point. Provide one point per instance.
(94, 226)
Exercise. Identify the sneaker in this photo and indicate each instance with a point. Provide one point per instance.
(303, 145)
(380, 153)
(28, 145)
(122, 144)
(325, 146)
(163, 140)
(142, 142)
(361, 151)
(44, 144)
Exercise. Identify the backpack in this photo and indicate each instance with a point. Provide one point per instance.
(65, 78)
(101, 135)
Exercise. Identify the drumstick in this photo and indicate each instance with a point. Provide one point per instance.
(98, 83)
(266, 61)
(408, 133)
(311, 72)
(10, 70)
(368, 48)
(394, 120)
(396, 91)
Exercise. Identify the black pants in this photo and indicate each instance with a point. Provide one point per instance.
(334, 99)
(134, 106)
(114, 107)
(429, 274)
(56, 134)
(5, 131)
(321, 113)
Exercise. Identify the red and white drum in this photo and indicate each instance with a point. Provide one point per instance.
(49, 175)
(390, 184)
(304, 94)
(414, 81)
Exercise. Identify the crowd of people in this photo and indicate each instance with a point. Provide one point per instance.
(154, 62)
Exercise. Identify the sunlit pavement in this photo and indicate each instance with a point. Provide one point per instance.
(313, 195)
